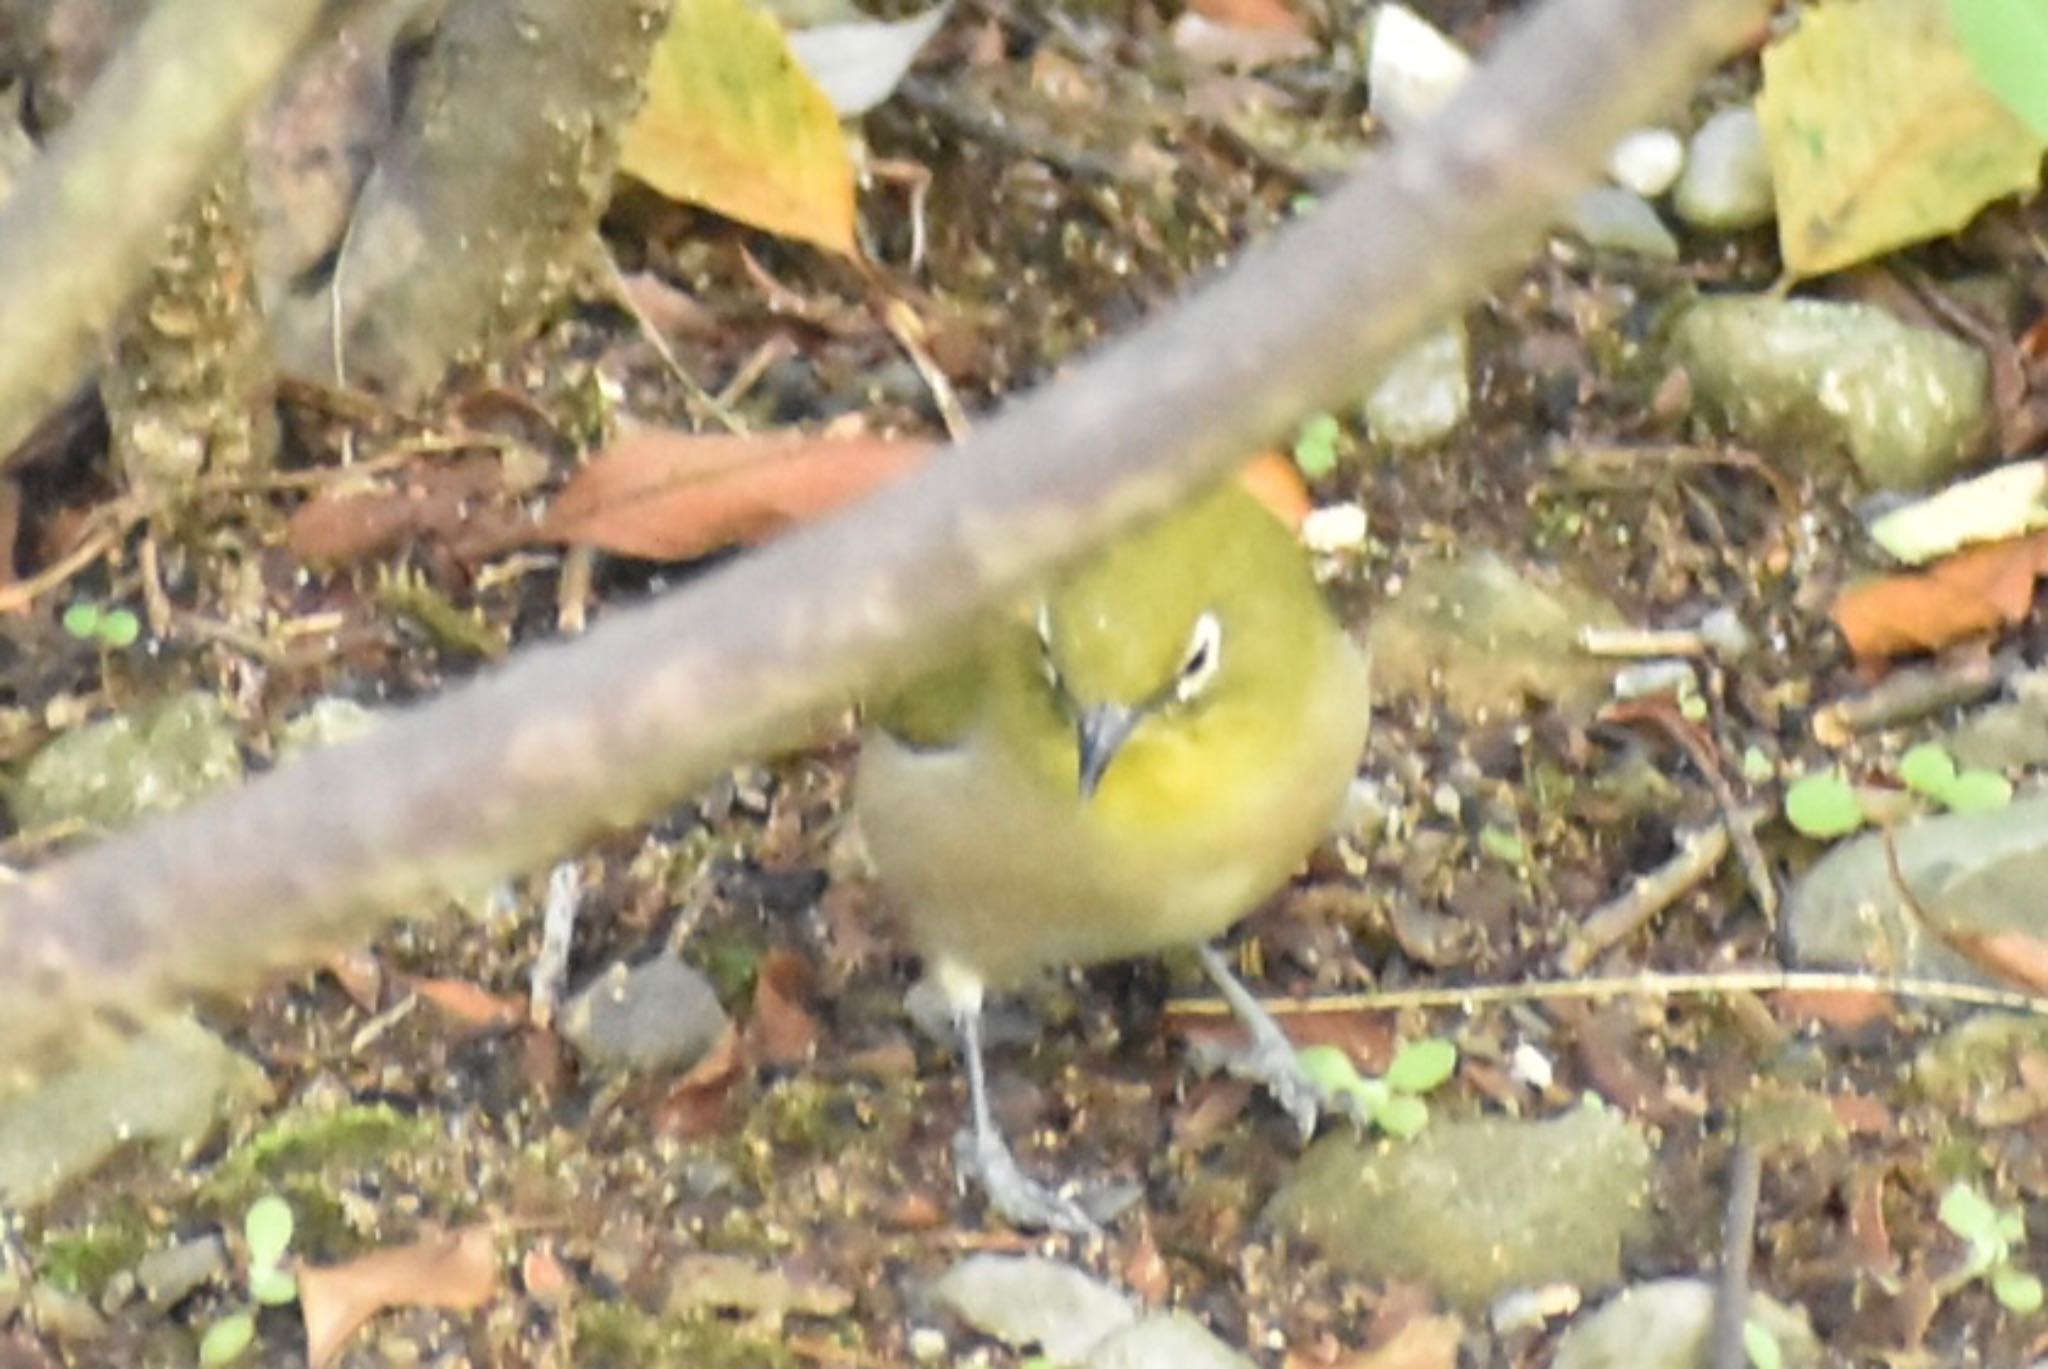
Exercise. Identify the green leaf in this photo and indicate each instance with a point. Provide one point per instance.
(2007, 43)
(268, 1227)
(1823, 806)
(228, 1339)
(1977, 791)
(2016, 1289)
(1761, 1346)
(1422, 1065)
(1504, 844)
(1402, 1116)
(120, 628)
(1927, 769)
(273, 1287)
(1315, 448)
(82, 620)
(1969, 1214)
(1756, 766)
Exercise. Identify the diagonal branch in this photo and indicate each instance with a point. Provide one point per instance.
(529, 762)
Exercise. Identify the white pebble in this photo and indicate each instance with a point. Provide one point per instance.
(1336, 528)
(1647, 161)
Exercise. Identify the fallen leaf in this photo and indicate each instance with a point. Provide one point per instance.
(734, 123)
(696, 1105)
(469, 1005)
(781, 1031)
(1244, 46)
(1881, 134)
(457, 1270)
(1860, 1114)
(1841, 1009)
(1275, 482)
(466, 503)
(2017, 958)
(670, 496)
(1960, 596)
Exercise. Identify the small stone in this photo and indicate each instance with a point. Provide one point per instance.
(324, 722)
(1908, 405)
(1479, 1207)
(1647, 161)
(1426, 393)
(167, 1275)
(660, 1015)
(1413, 70)
(1173, 1340)
(1726, 185)
(1025, 1300)
(1616, 220)
(1334, 528)
(152, 760)
(1665, 1325)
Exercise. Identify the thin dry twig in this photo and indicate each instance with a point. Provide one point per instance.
(1738, 1241)
(1699, 853)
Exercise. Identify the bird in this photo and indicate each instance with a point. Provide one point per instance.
(1129, 762)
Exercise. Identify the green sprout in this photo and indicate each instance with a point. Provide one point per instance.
(1315, 446)
(110, 627)
(1995, 1236)
(1392, 1102)
(1761, 1346)
(267, 1230)
(1826, 805)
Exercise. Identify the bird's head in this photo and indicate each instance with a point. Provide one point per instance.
(1155, 641)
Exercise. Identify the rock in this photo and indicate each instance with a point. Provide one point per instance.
(1971, 874)
(1413, 69)
(1476, 1208)
(1025, 1300)
(659, 1015)
(169, 1088)
(167, 1275)
(2007, 736)
(324, 722)
(109, 773)
(1666, 1325)
(1172, 1340)
(1616, 220)
(1424, 395)
(1907, 404)
(1492, 637)
(1726, 186)
(1647, 161)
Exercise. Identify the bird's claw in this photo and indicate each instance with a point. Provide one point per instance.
(1271, 1063)
(1022, 1200)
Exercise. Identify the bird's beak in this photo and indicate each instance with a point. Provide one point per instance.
(1103, 729)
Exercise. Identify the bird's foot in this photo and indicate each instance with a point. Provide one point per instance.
(1022, 1200)
(1270, 1062)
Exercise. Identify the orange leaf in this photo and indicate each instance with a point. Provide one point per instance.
(782, 1031)
(470, 1005)
(670, 496)
(1251, 14)
(456, 1270)
(1276, 482)
(1973, 591)
(2016, 957)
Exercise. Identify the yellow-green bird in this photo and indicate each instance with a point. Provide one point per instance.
(1130, 768)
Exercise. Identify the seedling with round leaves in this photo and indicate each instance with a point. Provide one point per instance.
(267, 1230)
(1995, 1236)
(1393, 1102)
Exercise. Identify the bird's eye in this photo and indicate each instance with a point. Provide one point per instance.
(1205, 653)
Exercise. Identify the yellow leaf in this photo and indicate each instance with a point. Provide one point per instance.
(732, 122)
(1881, 134)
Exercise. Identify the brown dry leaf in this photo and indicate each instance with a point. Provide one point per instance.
(696, 1105)
(1251, 14)
(2017, 958)
(1841, 1009)
(733, 122)
(457, 1270)
(469, 1005)
(670, 496)
(1959, 596)
(781, 1031)
(465, 502)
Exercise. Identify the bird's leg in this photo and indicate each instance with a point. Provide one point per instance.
(980, 1151)
(1270, 1060)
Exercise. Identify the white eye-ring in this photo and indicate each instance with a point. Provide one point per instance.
(1046, 665)
(1205, 653)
